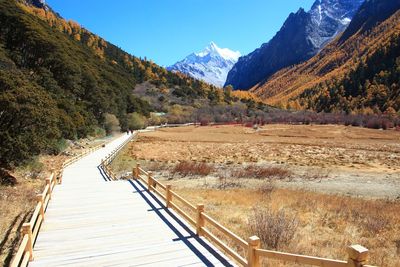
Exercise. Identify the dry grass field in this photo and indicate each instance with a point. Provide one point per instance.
(315, 189)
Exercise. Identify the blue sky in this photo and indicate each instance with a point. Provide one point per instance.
(168, 30)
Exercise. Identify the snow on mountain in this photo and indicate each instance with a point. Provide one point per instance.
(330, 17)
(210, 65)
(301, 37)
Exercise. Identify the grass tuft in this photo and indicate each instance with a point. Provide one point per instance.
(189, 168)
(262, 172)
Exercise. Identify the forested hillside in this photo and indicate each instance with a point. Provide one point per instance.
(59, 81)
(359, 72)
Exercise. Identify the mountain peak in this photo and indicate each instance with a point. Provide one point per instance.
(210, 65)
(213, 50)
(212, 45)
(302, 36)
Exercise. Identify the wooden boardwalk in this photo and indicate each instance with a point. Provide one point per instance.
(91, 221)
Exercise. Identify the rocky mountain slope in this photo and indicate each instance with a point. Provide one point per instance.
(59, 81)
(360, 71)
(210, 65)
(301, 37)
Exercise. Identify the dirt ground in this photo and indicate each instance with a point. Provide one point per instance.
(324, 158)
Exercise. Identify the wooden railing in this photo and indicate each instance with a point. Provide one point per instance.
(76, 158)
(246, 253)
(105, 163)
(31, 229)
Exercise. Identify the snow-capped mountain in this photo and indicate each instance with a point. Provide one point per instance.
(301, 37)
(210, 65)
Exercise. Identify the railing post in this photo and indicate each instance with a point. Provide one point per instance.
(137, 173)
(200, 220)
(252, 259)
(27, 230)
(40, 199)
(358, 256)
(149, 181)
(169, 195)
(48, 182)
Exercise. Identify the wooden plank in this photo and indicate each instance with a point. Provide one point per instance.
(18, 256)
(46, 201)
(37, 227)
(222, 245)
(184, 201)
(35, 214)
(239, 241)
(46, 189)
(300, 259)
(143, 171)
(160, 194)
(160, 184)
(25, 260)
(182, 213)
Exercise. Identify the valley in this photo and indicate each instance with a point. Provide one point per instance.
(339, 184)
(296, 143)
(333, 159)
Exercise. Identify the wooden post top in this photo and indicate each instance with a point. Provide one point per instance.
(357, 253)
(200, 207)
(39, 197)
(168, 186)
(254, 241)
(26, 228)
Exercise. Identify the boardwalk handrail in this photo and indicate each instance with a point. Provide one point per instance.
(357, 255)
(74, 159)
(30, 230)
(105, 163)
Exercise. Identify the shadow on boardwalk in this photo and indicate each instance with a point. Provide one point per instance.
(140, 189)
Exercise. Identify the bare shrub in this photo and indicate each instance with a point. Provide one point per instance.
(156, 166)
(275, 229)
(375, 224)
(261, 172)
(188, 168)
(267, 188)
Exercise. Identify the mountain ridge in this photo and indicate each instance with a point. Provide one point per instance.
(357, 72)
(302, 35)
